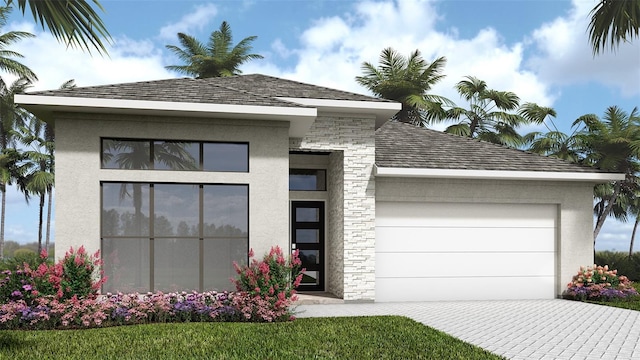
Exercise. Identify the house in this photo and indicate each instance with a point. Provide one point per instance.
(175, 179)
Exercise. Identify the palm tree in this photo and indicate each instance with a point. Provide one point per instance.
(217, 58)
(12, 168)
(11, 117)
(554, 142)
(490, 115)
(7, 64)
(634, 210)
(43, 134)
(612, 144)
(40, 178)
(73, 22)
(407, 80)
(613, 21)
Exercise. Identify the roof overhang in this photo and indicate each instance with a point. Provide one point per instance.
(593, 177)
(382, 110)
(299, 118)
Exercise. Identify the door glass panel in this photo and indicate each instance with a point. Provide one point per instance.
(310, 278)
(307, 214)
(309, 257)
(307, 236)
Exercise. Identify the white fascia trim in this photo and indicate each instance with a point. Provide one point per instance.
(345, 104)
(497, 174)
(80, 102)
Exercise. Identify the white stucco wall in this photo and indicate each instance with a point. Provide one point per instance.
(78, 172)
(574, 243)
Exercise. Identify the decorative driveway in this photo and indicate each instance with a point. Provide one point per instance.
(529, 329)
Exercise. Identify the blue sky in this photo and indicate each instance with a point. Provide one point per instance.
(535, 48)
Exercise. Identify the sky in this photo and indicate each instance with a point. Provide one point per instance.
(537, 49)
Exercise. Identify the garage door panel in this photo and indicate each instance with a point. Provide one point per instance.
(438, 239)
(446, 289)
(411, 265)
(464, 215)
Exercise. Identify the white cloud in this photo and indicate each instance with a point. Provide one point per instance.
(129, 60)
(565, 56)
(196, 20)
(332, 50)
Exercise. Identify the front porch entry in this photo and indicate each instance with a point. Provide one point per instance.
(307, 236)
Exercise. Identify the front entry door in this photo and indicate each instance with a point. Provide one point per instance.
(307, 235)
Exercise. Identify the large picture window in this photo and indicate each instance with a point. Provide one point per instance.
(170, 237)
(174, 155)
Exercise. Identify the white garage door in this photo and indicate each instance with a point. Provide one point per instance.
(456, 251)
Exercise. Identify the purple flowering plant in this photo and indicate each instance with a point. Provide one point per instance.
(599, 283)
(63, 306)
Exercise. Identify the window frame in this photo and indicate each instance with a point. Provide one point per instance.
(151, 235)
(309, 169)
(200, 144)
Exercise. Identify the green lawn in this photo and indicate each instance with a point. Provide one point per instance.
(381, 337)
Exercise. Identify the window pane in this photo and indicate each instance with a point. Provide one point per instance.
(126, 265)
(176, 264)
(126, 154)
(310, 278)
(125, 209)
(307, 236)
(225, 157)
(176, 209)
(226, 210)
(172, 155)
(309, 257)
(307, 179)
(219, 255)
(307, 214)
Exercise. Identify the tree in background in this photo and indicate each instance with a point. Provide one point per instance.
(407, 80)
(215, 59)
(612, 22)
(491, 115)
(11, 117)
(39, 137)
(613, 144)
(73, 22)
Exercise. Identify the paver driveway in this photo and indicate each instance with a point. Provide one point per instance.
(531, 329)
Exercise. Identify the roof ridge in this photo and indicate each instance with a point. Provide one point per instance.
(272, 98)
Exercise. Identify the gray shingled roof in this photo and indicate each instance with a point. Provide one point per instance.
(235, 90)
(400, 145)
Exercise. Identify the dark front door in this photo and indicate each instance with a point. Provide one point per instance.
(307, 229)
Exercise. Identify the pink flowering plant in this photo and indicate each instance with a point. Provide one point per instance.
(64, 295)
(266, 288)
(599, 283)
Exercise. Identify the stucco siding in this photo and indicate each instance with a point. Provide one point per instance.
(574, 201)
(78, 172)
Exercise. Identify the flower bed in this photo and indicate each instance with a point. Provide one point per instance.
(599, 283)
(65, 295)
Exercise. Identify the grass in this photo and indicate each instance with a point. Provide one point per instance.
(380, 337)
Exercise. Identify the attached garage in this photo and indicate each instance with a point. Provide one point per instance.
(462, 219)
(465, 251)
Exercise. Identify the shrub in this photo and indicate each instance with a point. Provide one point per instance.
(77, 274)
(598, 283)
(266, 289)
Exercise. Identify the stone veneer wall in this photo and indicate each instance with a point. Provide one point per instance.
(351, 212)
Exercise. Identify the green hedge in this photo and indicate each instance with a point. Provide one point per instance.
(628, 266)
